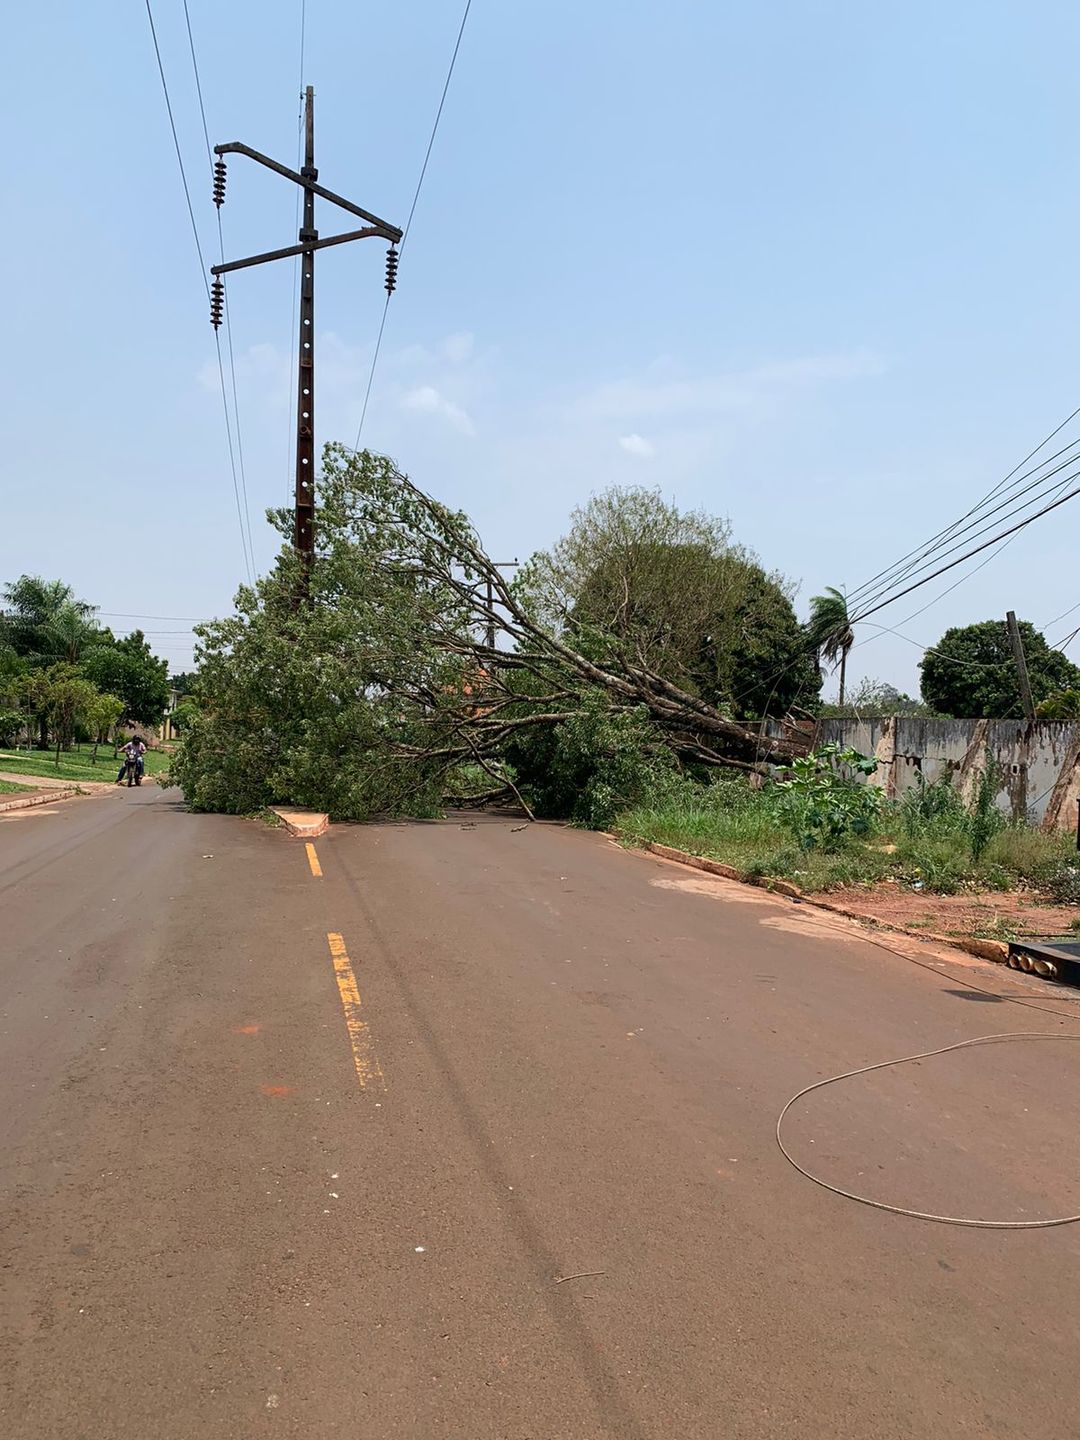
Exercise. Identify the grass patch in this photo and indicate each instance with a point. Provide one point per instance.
(8, 787)
(75, 764)
(928, 843)
(750, 839)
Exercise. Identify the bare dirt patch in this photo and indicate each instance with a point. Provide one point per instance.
(995, 915)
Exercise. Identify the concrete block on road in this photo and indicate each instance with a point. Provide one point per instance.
(306, 824)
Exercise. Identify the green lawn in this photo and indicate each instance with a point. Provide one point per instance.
(76, 764)
(8, 787)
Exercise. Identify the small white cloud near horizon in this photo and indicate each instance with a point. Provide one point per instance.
(428, 401)
(637, 445)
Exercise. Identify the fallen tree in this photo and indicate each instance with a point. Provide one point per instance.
(414, 668)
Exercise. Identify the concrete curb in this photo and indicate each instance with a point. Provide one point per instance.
(25, 802)
(304, 824)
(995, 950)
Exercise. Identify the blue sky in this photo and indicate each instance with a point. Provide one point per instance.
(807, 265)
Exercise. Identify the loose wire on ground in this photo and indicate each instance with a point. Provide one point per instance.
(962, 1220)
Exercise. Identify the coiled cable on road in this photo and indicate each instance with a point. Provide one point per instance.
(902, 1209)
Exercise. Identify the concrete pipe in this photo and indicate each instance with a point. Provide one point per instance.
(1027, 964)
(1047, 969)
(1014, 962)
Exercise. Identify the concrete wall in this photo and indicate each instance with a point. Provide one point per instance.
(1039, 760)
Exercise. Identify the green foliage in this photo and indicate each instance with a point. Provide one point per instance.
(183, 717)
(129, 669)
(984, 818)
(1060, 705)
(304, 702)
(971, 672)
(829, 631)
(822, 803)
(589, 767)
(11, 722)
(102, 713)
(756, 832)
(934, 862)
(44, 625)
(932, 807)
(44, 621)
(1060, 881)
(635, 579)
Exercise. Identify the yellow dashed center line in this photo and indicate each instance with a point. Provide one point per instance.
(365, 1061)
(313, 859)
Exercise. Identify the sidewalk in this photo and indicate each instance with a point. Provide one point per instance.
(46, 782)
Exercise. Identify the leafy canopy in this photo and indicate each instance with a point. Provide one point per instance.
(636, 581)
(970, 673)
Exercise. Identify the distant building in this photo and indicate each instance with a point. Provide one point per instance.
(167, 730)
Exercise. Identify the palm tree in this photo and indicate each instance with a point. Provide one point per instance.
(70, 633)
(43, 616)
(43, 621)
(829, 630)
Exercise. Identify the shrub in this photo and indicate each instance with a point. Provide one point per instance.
(1060, 880)
(939, 865)
(593, 765)
(985, 819)
(821, 804)
(931, 806)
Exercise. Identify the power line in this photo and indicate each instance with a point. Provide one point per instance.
(225, 292)
(855, 619)
(412, 212)
(952, 660)
(135, 615)
(1041, 484)
(1056, 618)
(202, 273)
(992, 494)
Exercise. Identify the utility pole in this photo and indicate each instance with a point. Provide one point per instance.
(499, 565)
(309, 242)
(1021, 665)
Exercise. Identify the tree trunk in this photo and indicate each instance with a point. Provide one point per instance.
(843, 673)
(43, 731)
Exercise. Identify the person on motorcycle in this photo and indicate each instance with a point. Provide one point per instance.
(132, 764)
(125, 756)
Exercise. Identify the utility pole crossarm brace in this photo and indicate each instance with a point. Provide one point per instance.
(365, 234)
(390, 232)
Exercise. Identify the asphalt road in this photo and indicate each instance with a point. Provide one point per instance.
(499, 1162)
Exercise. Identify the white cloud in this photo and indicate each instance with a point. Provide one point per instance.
(738, 391)
(637, 445)
(459, 348)
(429, 401)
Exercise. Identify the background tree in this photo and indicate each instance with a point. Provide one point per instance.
(874, 697)
(43, 619)
(129, 669)
(102, 713)
(71, 701)
(829, 631)
(1061, 705)
(970, 672)
(636, 581)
